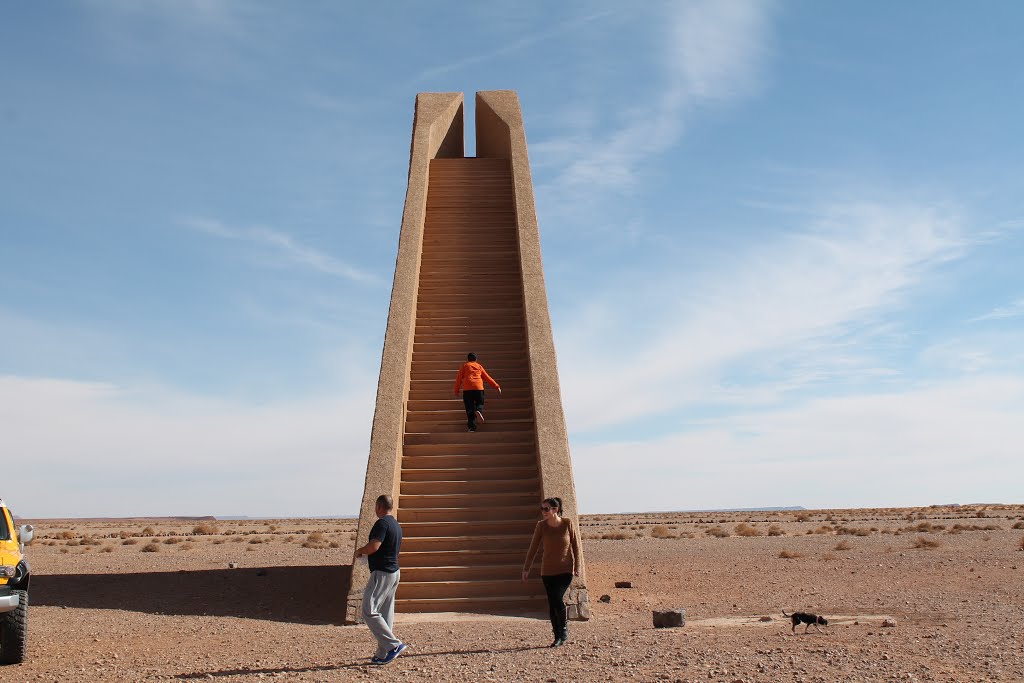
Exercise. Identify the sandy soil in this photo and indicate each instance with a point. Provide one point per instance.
(106, 609)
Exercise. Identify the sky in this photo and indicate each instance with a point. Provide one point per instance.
(782, 245)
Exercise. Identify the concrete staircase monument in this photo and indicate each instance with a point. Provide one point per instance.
(468, 278)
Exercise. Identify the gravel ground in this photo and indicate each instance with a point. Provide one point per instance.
(104, 610)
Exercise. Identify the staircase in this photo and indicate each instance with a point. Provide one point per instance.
(469, 501)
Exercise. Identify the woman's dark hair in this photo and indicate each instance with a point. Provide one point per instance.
(555, 503)
(471, 356)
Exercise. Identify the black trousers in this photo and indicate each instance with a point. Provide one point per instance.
(555, 586)
(473, 399)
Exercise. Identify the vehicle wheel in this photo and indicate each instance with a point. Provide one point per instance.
(14, 632)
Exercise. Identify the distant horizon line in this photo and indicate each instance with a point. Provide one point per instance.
(258, 518)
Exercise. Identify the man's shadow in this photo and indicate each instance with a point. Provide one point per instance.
(305, 594)
(224, 673)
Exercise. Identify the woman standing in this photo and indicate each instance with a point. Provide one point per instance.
(561, 562)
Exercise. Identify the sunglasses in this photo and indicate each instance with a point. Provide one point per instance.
(545, 508)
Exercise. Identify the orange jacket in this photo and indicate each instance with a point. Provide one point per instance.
(472, 376)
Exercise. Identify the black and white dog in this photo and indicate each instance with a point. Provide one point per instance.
(805, 618)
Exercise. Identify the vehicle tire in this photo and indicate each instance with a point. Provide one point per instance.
(14, 632)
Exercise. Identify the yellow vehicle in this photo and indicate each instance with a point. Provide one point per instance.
(14, 577)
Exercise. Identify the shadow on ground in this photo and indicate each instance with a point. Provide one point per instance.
(305, 595)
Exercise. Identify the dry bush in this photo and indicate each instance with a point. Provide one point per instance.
(316, 537)
(123, 534)
(64, 551)
(257, 541)
(661, 531)
(333, 544)
(291, 539)
(802, 516)
(149, 531)
(790, 554)
(107, 549)
(186, 546)
(129, 541)
(238, 539)
(151, 548)
(744, 529)
(64, 535)
(218, 541)
(842, 545)
(1018, 525)
(1020, 546)
(776, 530)
(204, 529)
(615, 536)
(824, 529)
(925, 543)
(73, 542)
(717, 532)
(172, 540)
(861, 531)
(829, 557)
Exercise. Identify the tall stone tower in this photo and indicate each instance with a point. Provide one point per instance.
(468, 278)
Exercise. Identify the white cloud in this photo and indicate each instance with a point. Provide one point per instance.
(957, 441)
(713, 51)
(97, 449)
(796, 296)
(286, 246)
(1012, 310)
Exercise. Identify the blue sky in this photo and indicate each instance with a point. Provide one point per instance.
(782, 242)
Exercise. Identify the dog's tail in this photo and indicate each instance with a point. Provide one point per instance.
(784, 614)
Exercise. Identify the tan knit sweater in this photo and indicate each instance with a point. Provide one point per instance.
(561, 548)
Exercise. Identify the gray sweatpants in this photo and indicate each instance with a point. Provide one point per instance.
(379, 609)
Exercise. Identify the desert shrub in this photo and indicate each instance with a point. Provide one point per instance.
(291, 539)
(802, 516)
(257, 541)
(614, 536)
(824, 529)
(124, 534)
(149, 531)
(925, 543)
(64, 535)
(661, 531)
(776, 530)
(1018, 525)
(744, 529)
(186, 546)
(1020, 546)
(861, 531)
(218, 541)
(173, 540)
(204, 529)
(829, 557)
(64, 551)
(238, 539)
(717, 532)
(333, 544)
(316, 537)
(74, 542)
(129, 541)
(107, 549)
(922, 528)
(790, 554)
(151, 548)
(842, 545)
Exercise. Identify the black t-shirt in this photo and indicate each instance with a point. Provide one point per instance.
(389, 533)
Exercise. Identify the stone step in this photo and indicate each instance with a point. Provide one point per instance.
(440, 487)
(490, 457)
(453, 403)
(490, 528)
(519, 605)
(486, 472)
(478, 572)
(494, 411)
(509, 543)
(484, 438)
(489, 588)
(482, 513)
(474, 501)
(471, 557)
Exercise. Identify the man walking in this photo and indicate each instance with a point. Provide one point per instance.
(379, 597)
(471, 381)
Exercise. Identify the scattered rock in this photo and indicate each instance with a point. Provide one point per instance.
(605, 598)
(889, 623)
(766, 618)
(623, 584)
(669, 618)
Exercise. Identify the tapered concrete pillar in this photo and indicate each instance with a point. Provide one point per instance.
(468, 277)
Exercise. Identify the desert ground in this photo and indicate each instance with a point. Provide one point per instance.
(157, 599)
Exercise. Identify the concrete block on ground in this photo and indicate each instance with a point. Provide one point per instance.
(669, 618)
